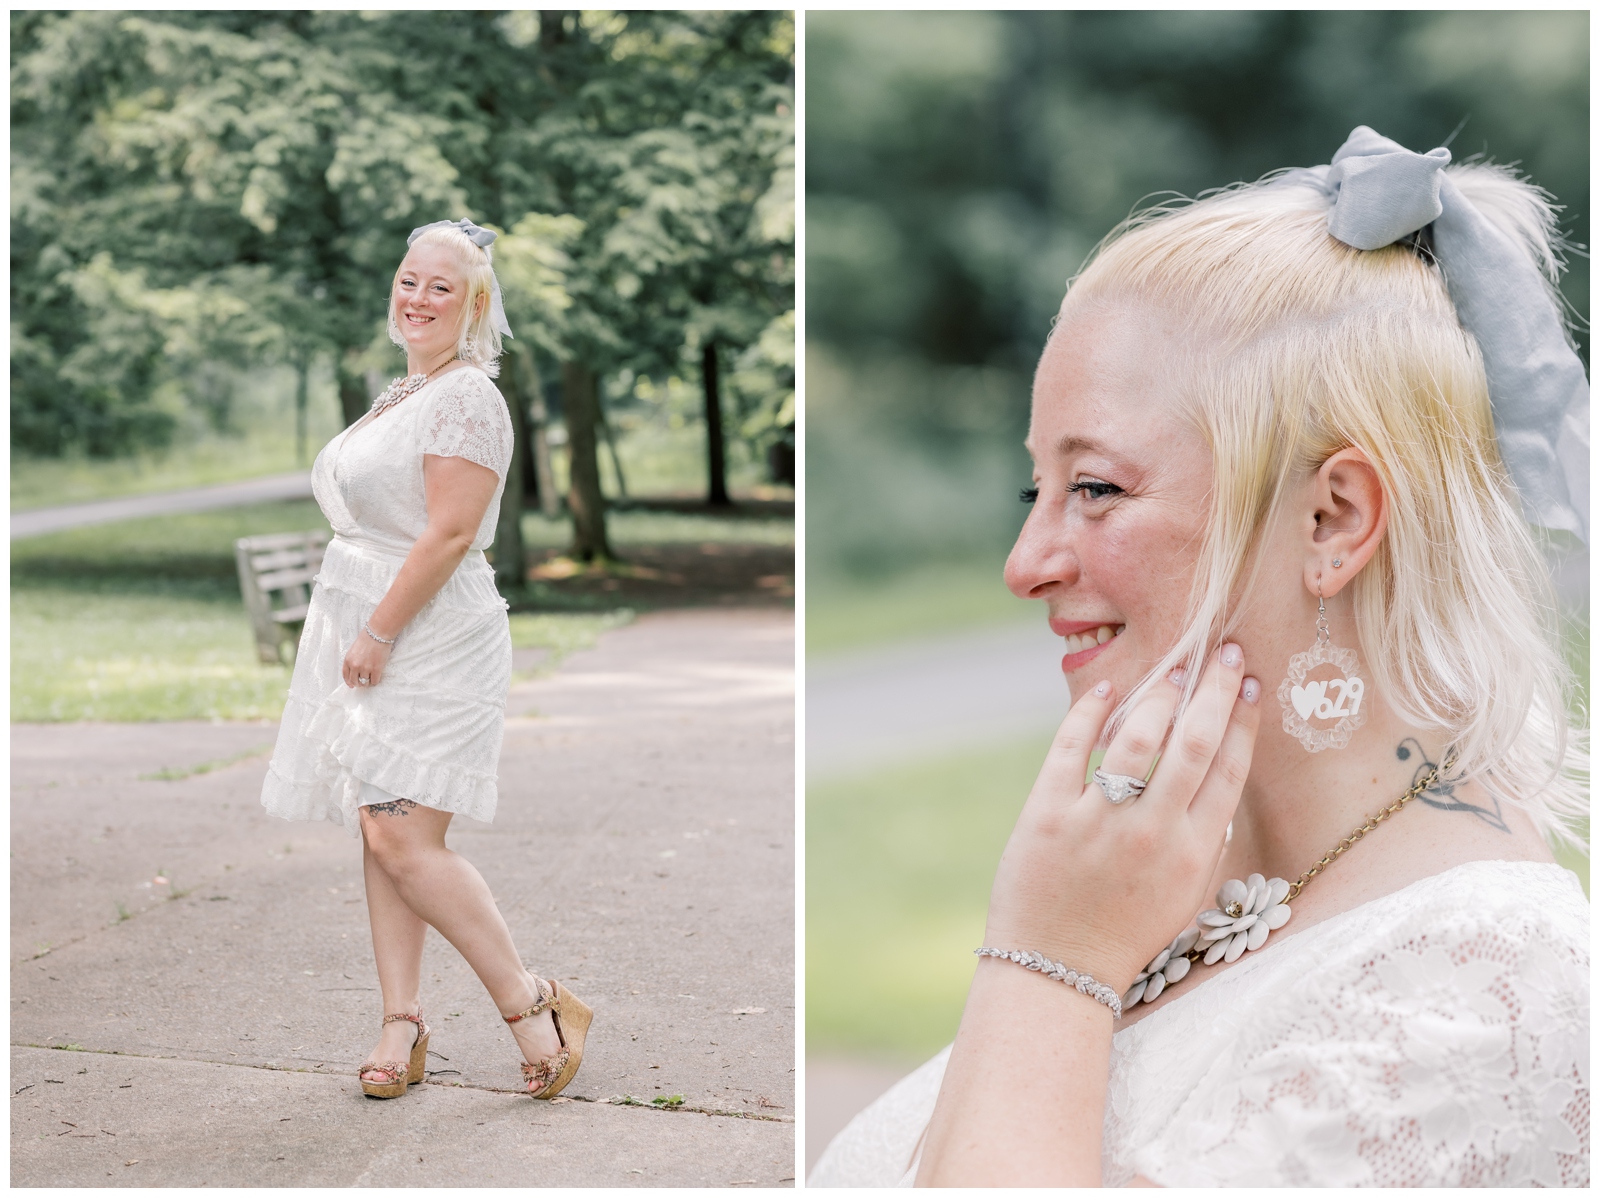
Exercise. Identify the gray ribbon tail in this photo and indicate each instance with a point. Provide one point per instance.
(1537, 386)
(497, 311)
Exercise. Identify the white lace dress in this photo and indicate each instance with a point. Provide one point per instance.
(1438, 1036)
(431, 730)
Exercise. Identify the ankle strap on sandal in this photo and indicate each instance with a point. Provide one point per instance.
(547, 1000)
(416, 1019)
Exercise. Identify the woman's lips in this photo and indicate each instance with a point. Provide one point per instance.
(1085, 645)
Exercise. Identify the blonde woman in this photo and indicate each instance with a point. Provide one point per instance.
(1288, 440)
(396, 709)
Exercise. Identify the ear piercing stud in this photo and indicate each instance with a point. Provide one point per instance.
(1337, 563)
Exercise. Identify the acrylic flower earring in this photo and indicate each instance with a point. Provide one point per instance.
(1325, 699)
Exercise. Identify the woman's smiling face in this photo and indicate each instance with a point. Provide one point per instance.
(1112, 541)
(429, 298)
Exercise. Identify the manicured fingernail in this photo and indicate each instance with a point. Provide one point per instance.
(1177, 676)
(1103, 689)
(1251, 690)
(1232, 655)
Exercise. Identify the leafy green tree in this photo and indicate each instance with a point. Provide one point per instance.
(193, 189)
(229, 153)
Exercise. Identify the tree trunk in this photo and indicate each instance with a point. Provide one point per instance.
(543, 477)
(717, 491)
(510, 555)
(302, 370)
(581, 398)
(353, 398)
(616, 462)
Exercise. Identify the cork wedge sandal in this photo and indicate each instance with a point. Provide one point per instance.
(547, 1078)
(400, 1075)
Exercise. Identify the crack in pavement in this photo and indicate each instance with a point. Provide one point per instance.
(317, 1071)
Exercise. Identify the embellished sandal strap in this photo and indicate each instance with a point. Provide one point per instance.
(395, 1069)
(541, 1075)
(416, 1019)
(547, 1001)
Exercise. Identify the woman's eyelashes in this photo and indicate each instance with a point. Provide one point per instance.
(1091, 488)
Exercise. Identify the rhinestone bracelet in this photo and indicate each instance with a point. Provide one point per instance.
(367, 628)
(1081, 982)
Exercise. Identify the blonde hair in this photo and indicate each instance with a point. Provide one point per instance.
(1304, 346)
(478, 342)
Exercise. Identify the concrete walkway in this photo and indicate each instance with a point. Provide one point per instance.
(162, 503)
(204, 1030)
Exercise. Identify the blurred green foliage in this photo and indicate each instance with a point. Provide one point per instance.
(197, 194)
(961, 165)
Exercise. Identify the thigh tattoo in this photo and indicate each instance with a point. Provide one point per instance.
(398, 807)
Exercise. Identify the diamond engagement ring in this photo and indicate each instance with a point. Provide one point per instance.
(1119, 788)
(364, 681)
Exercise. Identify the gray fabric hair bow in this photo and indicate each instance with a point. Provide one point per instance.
(479, 237)
(1537, 388)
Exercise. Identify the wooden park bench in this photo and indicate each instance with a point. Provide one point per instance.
(275, 574)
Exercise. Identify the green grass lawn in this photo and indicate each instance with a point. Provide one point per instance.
(142, 620)
(898, 867)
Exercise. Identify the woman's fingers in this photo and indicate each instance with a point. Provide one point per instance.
(1067, 763)
(1218, 795)
(1199, 730)
(1139, 740)
(363, 662)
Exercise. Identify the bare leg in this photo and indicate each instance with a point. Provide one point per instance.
(397, 936)
(406, 843)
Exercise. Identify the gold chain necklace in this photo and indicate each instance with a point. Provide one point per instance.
(1247, 912)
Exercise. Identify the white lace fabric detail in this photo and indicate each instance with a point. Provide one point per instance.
(431, 730)
(1434, 1037)
(467, 418)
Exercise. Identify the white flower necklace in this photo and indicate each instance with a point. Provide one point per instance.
(404, 386)
(1246, 914)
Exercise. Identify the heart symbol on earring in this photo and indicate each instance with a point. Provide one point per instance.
(1305, 698)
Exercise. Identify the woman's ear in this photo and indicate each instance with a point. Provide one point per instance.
(1350, 514)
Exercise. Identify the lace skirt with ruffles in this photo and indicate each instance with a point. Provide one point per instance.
(429, 732)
